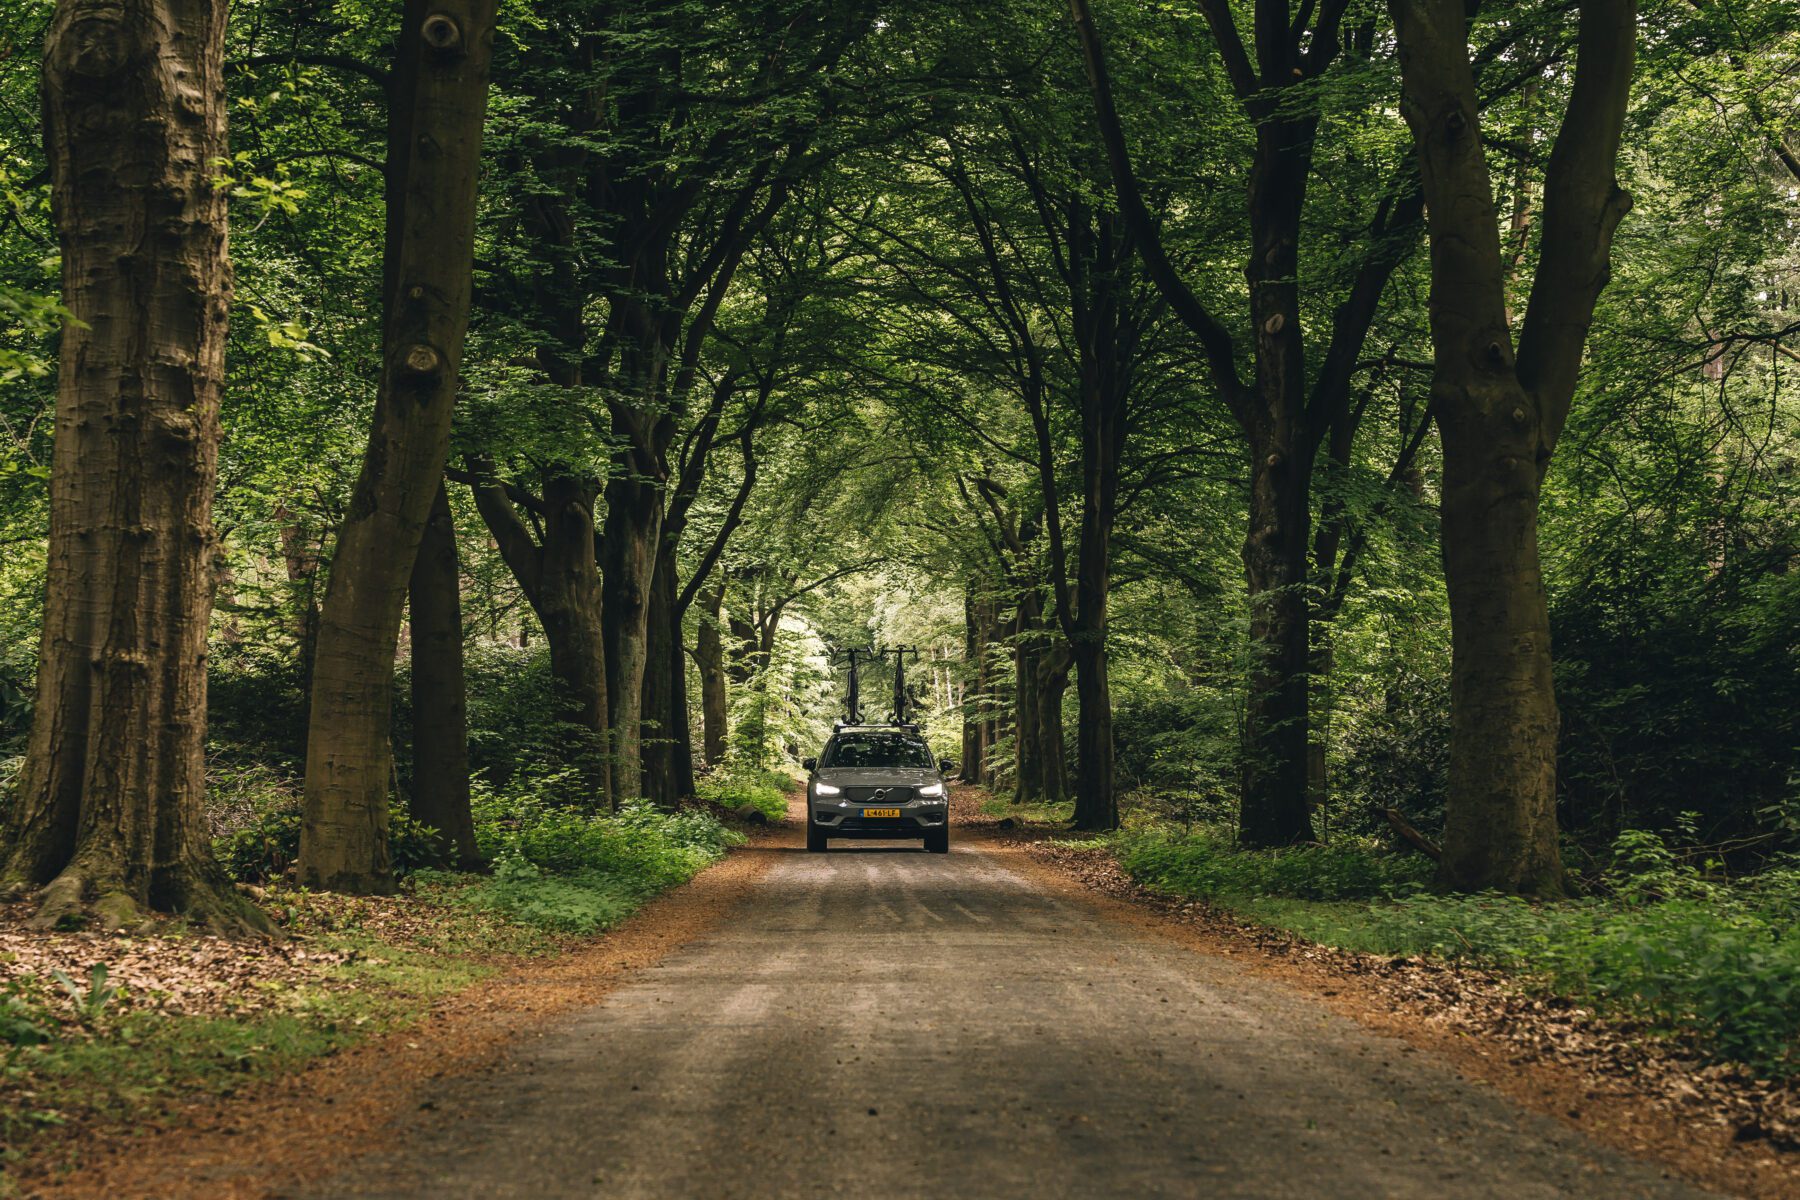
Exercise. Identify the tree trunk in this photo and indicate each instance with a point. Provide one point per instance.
(1052, 683)
(668, 752)
(1028, 758)
(989, 698)
(1272, 803)
(681, 721)
(301, 558)
(109, 807)
(1273, 806)
(709, 658)
(1318, 782)
(633, 525)
(1096, 800)
(975, 666)
(740, 663)
(1499, 416)
(1500, 828)
(567, 600)
(439, 697)
(434, 151)
(1102, 442)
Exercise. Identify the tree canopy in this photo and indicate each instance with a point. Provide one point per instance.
(1246, 412)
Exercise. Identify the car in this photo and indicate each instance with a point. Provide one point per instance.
(878, 782)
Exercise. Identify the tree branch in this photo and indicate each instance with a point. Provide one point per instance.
(1221, 355)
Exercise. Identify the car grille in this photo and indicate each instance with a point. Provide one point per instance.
(866, 795)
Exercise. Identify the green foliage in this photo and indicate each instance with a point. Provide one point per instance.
(91, 1000)
(1721, 967)
(1031, 813)
(1205, 862)
(744, 788)
(268, 844)
(23, 1021)
(575, 872)
(1713, 961)
(518, 741)
(579, 903)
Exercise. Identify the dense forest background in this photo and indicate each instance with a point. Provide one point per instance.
(882, 299)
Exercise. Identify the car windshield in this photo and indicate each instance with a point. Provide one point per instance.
(876, 750)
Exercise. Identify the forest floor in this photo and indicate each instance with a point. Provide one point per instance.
(166, 1049)
(1007, 1020)
(1653, 1097)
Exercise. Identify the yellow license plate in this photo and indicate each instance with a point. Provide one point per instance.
(881, 812)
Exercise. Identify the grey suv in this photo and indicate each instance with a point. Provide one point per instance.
(877, 783)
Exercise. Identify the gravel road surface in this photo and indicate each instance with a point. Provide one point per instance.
(882, 1022)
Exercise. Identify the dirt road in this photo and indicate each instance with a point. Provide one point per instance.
(882, 1022)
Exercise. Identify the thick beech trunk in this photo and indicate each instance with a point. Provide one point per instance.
(667, 749)
(109, 807)
(561, 582)
(1500, 828)
(1274, 808)
(1096, 802)
(709, 659)
(440, 708)
(434, 150)
(633, 523)
(1273, 803)
(569, 602)
(1041, 668)
(1102, 442)
(569, 607)
(1499, 415)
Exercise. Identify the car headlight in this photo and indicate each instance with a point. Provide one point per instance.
(932, 789)
(826, 789)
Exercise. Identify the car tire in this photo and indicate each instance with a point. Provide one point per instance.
(815, 837)
(938, 841)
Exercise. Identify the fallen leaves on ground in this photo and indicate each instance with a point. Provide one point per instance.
(165, 969)
(1618, 1057)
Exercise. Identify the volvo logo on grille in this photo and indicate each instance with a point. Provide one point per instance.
(879, 794)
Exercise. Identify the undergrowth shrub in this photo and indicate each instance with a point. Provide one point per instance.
(264, 846)
(742, 787)
(1205, 862)
(1660, 940)
(577, 871)
(585, 902)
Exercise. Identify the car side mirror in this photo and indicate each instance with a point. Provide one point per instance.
(946, 766)
(809, 764)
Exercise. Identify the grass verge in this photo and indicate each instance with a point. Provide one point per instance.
(100, 1031)
(1659, 940)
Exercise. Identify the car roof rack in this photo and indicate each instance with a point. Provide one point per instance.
(841, 726)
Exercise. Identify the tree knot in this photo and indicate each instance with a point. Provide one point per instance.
(441, 33)
(99, 44)
(421, 359)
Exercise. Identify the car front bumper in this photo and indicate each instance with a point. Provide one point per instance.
(914, 821)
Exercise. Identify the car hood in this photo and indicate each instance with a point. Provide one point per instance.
(876, 776)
